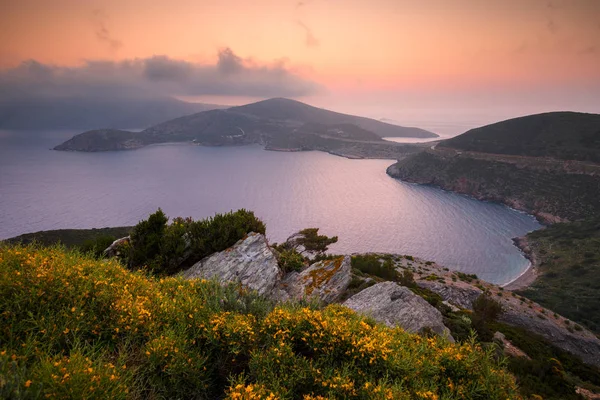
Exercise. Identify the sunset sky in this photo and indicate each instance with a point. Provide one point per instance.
(380, 58)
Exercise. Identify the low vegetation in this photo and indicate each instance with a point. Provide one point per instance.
(72, 326)
(83, 239)
(563, 135)
(569, 256)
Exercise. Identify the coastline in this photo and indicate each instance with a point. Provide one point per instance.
(531, 273)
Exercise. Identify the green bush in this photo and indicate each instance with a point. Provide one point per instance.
(371, 264)
(97, 245)
(313, 242)
(485, 311)
(168, 249)
(290, 260)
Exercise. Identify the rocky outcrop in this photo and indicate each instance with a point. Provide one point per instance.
(459, 294)
(583, 344)
(392, 304)
(114, 249)
(325, 281)
(550, 195)
(250, 262)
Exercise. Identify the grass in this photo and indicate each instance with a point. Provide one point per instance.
(72, 326)
(569, 256)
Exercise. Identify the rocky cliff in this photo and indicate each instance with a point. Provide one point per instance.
(552, 191)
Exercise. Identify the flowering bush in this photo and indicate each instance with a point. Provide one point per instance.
(75, 327)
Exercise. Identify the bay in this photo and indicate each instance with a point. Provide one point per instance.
(42, 189)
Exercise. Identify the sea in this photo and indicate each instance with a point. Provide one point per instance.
(43, 189)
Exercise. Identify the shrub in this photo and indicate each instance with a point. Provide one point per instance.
(97, 245)
(313, 242)
(290, 260)
(485, 311)
(371, 264)
(85, 328)
(167, 249)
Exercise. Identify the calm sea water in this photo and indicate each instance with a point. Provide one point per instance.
(42, 189)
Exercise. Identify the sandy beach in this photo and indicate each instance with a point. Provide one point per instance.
(531, 273)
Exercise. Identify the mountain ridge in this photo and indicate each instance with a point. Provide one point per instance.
(277, 123)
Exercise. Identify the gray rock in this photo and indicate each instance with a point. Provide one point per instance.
(459, 294)
(250, 261)
(113, 249)
(392, 304)
(583, 344)
(325, 280)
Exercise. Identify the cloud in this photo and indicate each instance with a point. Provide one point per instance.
(155, 76)
(310, 39)
(102, 33)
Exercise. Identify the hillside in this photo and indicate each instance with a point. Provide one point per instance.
(90, 112)
(276, 123)
(562, 135)
(543, 164)
(280, 109)
(568, 260)
(551, 194)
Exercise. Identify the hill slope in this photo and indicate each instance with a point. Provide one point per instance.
(543, 164)
(563, 135)
(88, 328)
(281, 109)
(277, 123)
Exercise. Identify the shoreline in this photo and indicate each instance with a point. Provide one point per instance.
(527, 277)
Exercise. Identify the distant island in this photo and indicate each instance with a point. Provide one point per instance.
(278, 124)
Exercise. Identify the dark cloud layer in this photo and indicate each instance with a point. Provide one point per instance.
(154, 76)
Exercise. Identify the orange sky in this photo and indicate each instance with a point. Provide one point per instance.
(346, 46)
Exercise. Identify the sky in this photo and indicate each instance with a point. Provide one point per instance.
(416, 61)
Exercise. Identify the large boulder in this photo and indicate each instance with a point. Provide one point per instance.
(392, 304)
(250, 262)
(325, 281)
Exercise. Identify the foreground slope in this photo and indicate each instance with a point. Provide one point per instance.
(75, 327)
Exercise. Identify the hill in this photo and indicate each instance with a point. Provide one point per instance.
(82, 113)
(567, 258)
(562, 135)
(546, 164)
(276, 123)
(280, 109)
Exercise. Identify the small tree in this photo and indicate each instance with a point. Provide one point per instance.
(313, 242)
(485, 310)
(146, 239)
